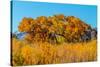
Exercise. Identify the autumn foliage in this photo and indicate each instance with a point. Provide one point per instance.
(46, 53)
(54, 39)
(43, 28)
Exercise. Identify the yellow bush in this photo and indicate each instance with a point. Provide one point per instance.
(46, 53)
(30, 55)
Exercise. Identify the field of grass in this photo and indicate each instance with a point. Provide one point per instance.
(24, 53)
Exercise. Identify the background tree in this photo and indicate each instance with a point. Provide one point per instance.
(53, 28)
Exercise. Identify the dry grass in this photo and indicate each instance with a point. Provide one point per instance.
(24, 53)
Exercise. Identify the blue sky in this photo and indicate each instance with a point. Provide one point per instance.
(22, 9)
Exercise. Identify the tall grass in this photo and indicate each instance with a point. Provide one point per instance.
(24, 53)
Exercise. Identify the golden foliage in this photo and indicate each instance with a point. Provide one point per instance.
(70, 27)
(46, 53)
(26, 24)
(48, 41)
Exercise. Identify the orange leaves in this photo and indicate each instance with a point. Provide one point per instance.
(60, 17)
(47, 41)
(25, 25)
(58, 24)
(41, 19)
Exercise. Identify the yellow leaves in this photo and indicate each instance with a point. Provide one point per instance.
(76, 29)
(29, 54)
(41, 19)
(26, 50)
(56, 24)
(46, 53)
(26, 24)
(36, 49)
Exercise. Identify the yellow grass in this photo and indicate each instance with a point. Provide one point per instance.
(24, 53)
